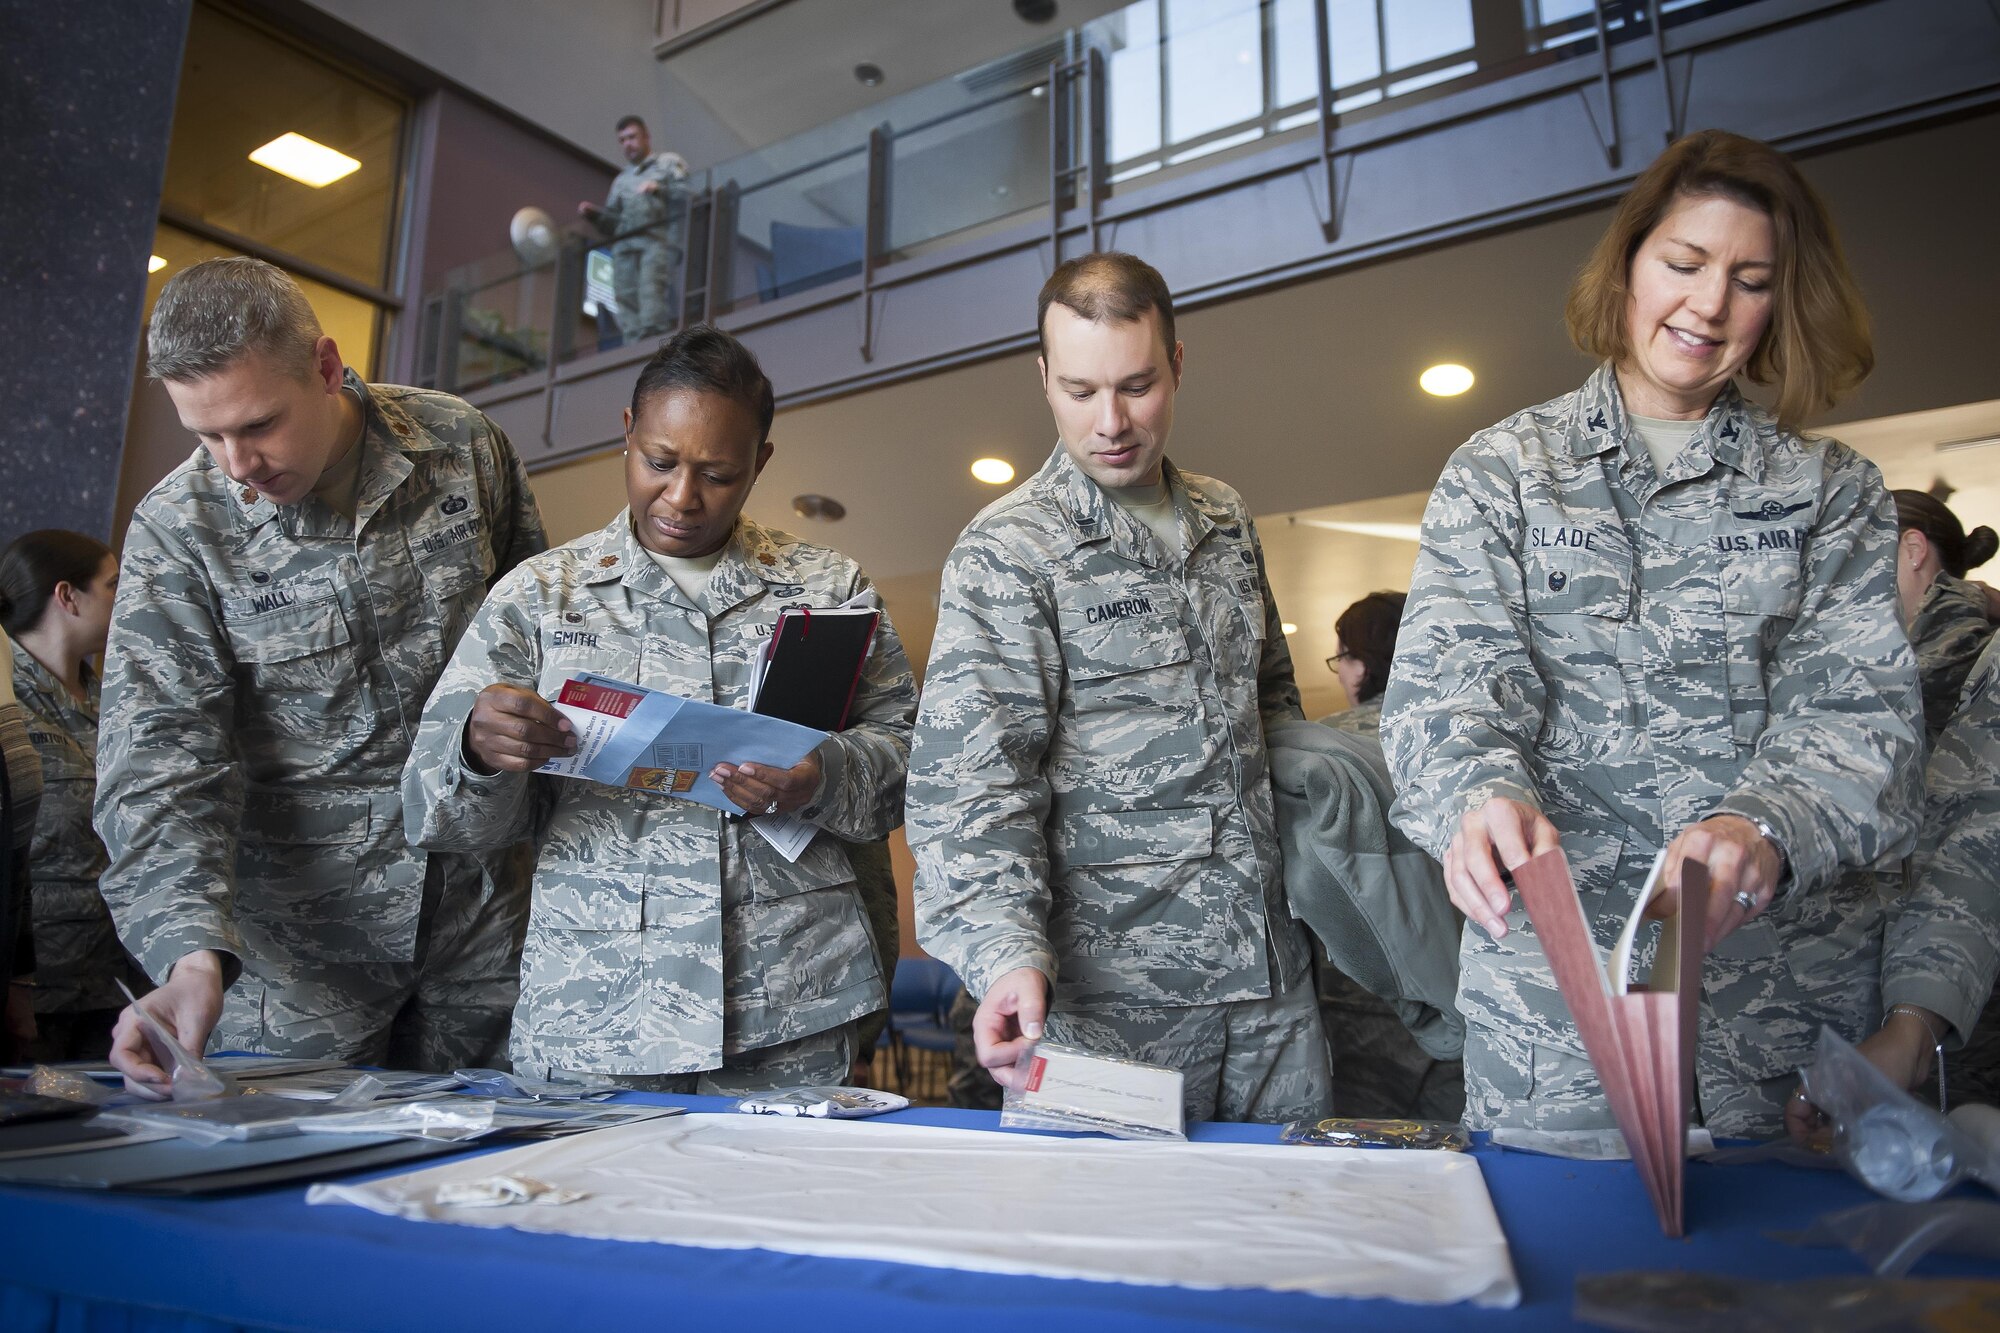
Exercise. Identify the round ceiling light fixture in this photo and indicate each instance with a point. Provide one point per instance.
(993, 471)
(1445, 381)
(1035, 11)
(822, 507)
(868, 76)
(1288, 627)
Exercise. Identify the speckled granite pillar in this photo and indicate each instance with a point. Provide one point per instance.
(86, 102)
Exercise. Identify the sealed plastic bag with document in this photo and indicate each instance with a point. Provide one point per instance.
(1064, 1088)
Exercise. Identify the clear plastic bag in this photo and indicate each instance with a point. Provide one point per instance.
(67, 1085)
(1891, 1237)
(192, 1080)
(447, 1120)
(1064, 1088)
(1885, 1138)
(500, 1083)
(219, 1119)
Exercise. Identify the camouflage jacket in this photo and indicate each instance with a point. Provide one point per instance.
(77, 954)
(266, 671)
(663, 935)
(1949, 632)
(1631, 653)
(1089, 789)
(627, 208)
(1943, 945)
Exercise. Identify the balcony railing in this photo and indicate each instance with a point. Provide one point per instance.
(1149, 91)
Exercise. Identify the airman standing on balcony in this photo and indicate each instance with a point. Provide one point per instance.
(645, 219)
(1090, 795)
(287, 599)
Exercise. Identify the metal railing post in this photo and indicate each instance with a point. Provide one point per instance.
(721, 234)
(1612, 148)
(1672, 113)
(875, 229)
(1323, 62)
(1093, 138)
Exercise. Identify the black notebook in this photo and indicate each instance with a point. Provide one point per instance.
(809, 670)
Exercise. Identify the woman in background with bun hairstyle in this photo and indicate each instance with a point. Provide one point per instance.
(1947, 616)
(55, 605)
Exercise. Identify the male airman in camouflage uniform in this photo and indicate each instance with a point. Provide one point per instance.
(1629, 653)
(645, 219)
(288, 597)
(669, 945)
(1090, 796)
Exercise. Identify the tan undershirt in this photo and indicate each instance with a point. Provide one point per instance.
(1154, 506)
(1663, 439)
(339, 485)
(689, 573)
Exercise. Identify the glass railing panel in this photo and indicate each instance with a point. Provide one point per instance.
(504, 327)
(799, 231)
(973, 170)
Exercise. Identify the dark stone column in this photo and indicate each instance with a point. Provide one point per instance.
(86, 105)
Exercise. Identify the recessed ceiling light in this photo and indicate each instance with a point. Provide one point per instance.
(1039, 90)
(155, 264)
(823, 507)
(993, 471)
(1289, 627)
(1445, 381)
(305, 161)
(868, 76)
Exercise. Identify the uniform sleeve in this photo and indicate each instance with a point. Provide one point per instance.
(1464, 700)
(1942, 948)
(1277, 684)
(169, 781)
(517, 520)
(447, 807)
(1837, 771)
(978, 800)
(865, 766)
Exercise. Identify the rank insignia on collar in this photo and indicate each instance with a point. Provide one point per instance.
(1728, 431)
(766, 558)
(249, 496)
(1597, 421)
(606, 562)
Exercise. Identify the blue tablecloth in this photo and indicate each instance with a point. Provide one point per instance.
(75, 1261)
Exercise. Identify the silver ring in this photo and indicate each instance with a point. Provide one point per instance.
(1746, 900)
(772, 808)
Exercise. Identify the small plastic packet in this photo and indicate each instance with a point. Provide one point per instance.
(500, 1083)
(1891, 1237)
(1350, 1132)
(446, 1120)
(1885, 1138)
(192, 1080)
(825, 1103)
(219, 1119)
(1064, 1088)
(67, 1085)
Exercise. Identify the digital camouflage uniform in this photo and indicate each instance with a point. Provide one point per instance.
(1943, 942)
(1090, 793)
(665, 938)
(78, 959)
(1631, 653)
(1379, 1070)
(267, 668)
(1949, 632)
(646, 232)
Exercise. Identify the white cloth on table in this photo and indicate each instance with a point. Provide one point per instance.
(1405, 1225)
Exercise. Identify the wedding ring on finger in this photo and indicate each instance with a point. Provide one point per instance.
(1746, 900)
(772, 808)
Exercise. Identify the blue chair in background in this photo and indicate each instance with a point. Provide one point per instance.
(919, 1036)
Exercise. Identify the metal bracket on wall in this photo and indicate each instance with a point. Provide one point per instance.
(875, 229)
(721, 247)
(1669, 108)
(1074, 182)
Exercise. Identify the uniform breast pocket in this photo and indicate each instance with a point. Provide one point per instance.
(1127, 665)
(1761, 595)
(1578, 602)
(300, 648)
(573, 646)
